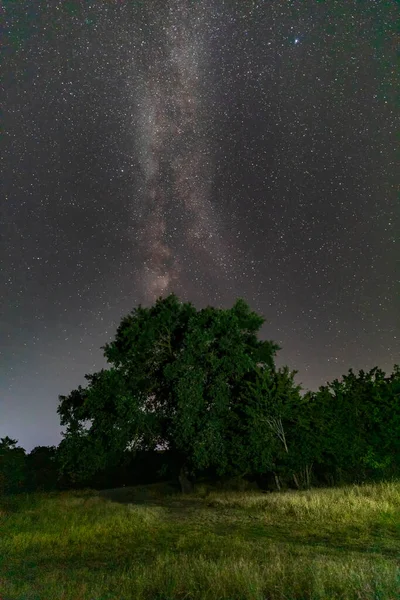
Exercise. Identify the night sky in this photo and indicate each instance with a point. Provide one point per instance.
(215, 149)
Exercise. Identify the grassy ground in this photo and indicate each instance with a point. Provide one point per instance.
(140, 544)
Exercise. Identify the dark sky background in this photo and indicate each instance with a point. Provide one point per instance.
(215, 149)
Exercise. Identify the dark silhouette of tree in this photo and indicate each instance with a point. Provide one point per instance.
(42, 468)
(174, 380)
(358, 425)
(12, 466)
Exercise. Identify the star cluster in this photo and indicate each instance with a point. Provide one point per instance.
(215, 149)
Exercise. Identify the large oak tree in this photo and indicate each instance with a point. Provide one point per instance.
(176, 381)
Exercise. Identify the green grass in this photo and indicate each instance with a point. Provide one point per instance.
(141, 543)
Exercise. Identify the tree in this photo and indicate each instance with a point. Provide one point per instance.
(174, 381)
(42, 468)
(273, 422)
(12, 466)
(359, 424)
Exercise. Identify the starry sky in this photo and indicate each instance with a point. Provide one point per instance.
(217, 149)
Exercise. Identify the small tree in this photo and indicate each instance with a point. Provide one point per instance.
(272, 415)
(12, 466)
(42, 468)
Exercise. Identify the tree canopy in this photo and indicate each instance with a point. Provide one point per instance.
(175, 377)
(12, 465)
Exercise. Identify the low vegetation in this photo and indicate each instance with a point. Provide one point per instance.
(150, 542)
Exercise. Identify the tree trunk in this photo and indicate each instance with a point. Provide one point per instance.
(186, 485)
(278, 483)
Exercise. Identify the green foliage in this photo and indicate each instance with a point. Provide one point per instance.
(42, 471)
(272, 400)
(12, 466)
(173, 382)
(360, 427)
(221, 350)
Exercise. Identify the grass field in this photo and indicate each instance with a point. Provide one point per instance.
(141, 543)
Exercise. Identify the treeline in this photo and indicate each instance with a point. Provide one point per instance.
(195, 394)
(40, 470)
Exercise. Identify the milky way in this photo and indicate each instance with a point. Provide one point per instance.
(181, 227)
